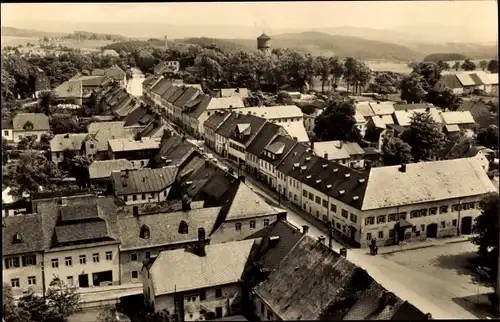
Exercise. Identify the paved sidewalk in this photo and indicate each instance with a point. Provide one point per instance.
(431, 242)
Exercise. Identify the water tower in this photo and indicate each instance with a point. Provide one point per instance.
(264, 44)
(166, 43)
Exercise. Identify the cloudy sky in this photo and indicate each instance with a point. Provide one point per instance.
(479, 15)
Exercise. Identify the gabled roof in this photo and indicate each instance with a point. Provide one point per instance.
(102, 132)
(175, 149)
(189, 94)
(143, 180)
(29, 228)
(181, 270)
(451, 81)
(295, 155)
(456, 118)
(381, 121)
(465, 80)
(296, 130)
(222, 103)
(425, 182)
(68, 141)
(273, 112)
(39, 121)
(126, 144)
(266, 134)
(226, 129)
(164, 227)
(382, 108)
(161, 87)
(230, 92)
(280, 145)
(103, 169)
(216, 119)
(409, 107)
(403, 118)
(137, 115)
(247, 204)
(364, 109)
(199, 105)
(335, 150)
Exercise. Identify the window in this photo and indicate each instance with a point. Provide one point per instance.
(380, 234)
(17, 239)
(325, 203)
(345, 213)
(68, 261)
(333, 208)
(443, 224)
(134, 197)
(55, 263)
(354, 218)
(203, 295)
(433, 210)
(91, 146)
(455, 207)
(381, 219)
(318, 200)
(317, 213)
(238, 226)
(133, 257)
(125, 198)
(135, 274)
(266, 222)
(414, 228)
(70, 280)
(369, 221)
(143, 196)
(262, 308)
(391, 233)
(31, 280)
(109, 256)
(337, 225)
(6, 132)
(14, 282)
(311, 196)
(83, 259)
(422, 227)
(252, 224)
(454, 222)
(392, 217)
(148, 255)
(95, 257)
(369, 236)
(402, 215)
(218, 293)
(28, 260)
(469, 205)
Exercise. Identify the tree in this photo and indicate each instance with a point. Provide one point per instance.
(486, 228)
(62, 300)
(483, 64)
(337, 122)
(424, 136)
(444, 99)
(27, 143)
(5, 152)
(412, 90)
(80, 170)
(160, 316)
(394, 150)
(493, 66)
(443, 65)
(385, 83)
(47, 99)
(456, 66)
(11, 312)
(65, 123)
(337, 69)
(322, 69)
(108, 314)
(351, 69)
(31, 171)
(283, 98)
(488, 137)
(36, 306)
(430, 72)
(468, 65)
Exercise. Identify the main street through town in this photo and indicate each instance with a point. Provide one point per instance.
(430, 294)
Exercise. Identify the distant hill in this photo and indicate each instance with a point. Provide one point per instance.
(16, 32)
(445, 57)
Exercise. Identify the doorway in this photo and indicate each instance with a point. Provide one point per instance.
(83, 280)
(466, 226)
(102, 278)
(218, 312)
(431, 231)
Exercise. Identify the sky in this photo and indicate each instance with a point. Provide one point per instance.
(480, 15)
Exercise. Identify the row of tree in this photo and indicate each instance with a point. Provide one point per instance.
(467, 65)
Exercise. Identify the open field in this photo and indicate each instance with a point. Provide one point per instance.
(15, 41)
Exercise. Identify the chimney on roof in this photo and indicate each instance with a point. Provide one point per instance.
(321, 239)
(325, 155)
(428, 109)
(186, 203)
(66, 136)
(273, 241)
(312, 145)
(200, 247)
(305, 229)
(126, 173)
(402, 168)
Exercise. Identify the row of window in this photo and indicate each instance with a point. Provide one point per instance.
(333, 208)
(68, 261)
(369, 236)
(143, 196)
(26, 260)
(134, 257)
(14, 282)
(382, 219)
(251, 224)
(202, 295)
(267, 166)
(236, 147)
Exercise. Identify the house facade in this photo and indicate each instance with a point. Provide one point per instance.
(29, 124)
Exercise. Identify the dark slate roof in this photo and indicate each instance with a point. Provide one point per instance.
(38, 120)
(266, 134)
(176, 94)
(162, 86)
(81, 232)
(281, 144)
(264, 37)
(451, 81)
(215, 120)
(164, 227)
(7, 124)
(306, 282)
(271, 255)
(186, 96)
(29, 227)
(295, 155)
(200, 106)
(175, 149)
(170, 91)
(227, 128)
(75, 212)
(143, 180)
(409, 107)
(136, 115)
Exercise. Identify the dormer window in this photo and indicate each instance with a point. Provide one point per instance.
(318, 181)
(335, 170)
(324, 166)
(308, 177)
(183, 227)
(347, 175)
(144, 232)
(17, 239)
(341, 192)
(28, 126)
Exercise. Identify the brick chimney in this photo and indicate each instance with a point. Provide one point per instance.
(402, 168)
(186, 203)
(200, 247)
(305, 229)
